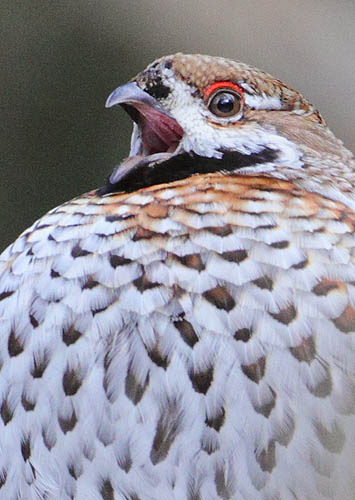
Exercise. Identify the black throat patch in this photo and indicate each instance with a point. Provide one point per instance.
(182, 166)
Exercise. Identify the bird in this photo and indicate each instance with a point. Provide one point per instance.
(187, 330)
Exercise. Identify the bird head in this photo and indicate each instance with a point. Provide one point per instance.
(237, 118)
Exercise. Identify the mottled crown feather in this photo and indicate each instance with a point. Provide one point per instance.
(200, 71)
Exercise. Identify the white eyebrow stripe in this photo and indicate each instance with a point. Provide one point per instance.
(263, 102)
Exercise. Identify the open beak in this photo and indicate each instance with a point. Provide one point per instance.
(156, 133)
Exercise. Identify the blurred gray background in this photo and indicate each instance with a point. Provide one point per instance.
(60, 60)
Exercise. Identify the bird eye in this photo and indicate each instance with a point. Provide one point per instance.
(225, 103)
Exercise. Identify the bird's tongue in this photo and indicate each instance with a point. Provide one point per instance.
(160, 132)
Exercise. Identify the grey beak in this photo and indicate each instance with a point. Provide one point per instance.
(130, 93)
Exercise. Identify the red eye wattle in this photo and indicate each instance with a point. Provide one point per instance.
(222, 85)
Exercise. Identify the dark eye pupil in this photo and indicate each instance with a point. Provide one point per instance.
(225, 103)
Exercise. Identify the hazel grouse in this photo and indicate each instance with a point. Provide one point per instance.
(187, 331)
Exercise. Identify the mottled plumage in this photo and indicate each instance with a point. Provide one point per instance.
(187, 331)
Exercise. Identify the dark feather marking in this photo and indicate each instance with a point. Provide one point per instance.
(116, 260)
(324, 287)
(158, 90)
(280, 244)
(267, 458)
(266, 408)
(220, 297)
(6, 412)
(243, 334)
(217, 420)
(285, 316)
(74, 470)
(324, 387)
(54, 274)
(183, 166)
(221, 231)
(346, 321)
(26, 448)
(142, 283)
(77, 251)
(14, 345)
(27, 404)
(186, 331)
(68, 424)
(305, 351)
(115, 218)
(158, 358)
(300, 265)
(71, 382)
(224, 483)
(124, 461)
(3, 477)
(332, 440)
(90, 284)
(167, 429)
(193, 261)
(33, 321)
(255, 371)
(264, 283)
(70, 336)
(134, 389)
(106, 490)
(236, 256)
(201, 380)
(143, 234)
(40, 363)
(153, 84)
(4, 295)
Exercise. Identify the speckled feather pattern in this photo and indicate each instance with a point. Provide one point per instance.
(190, 341)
